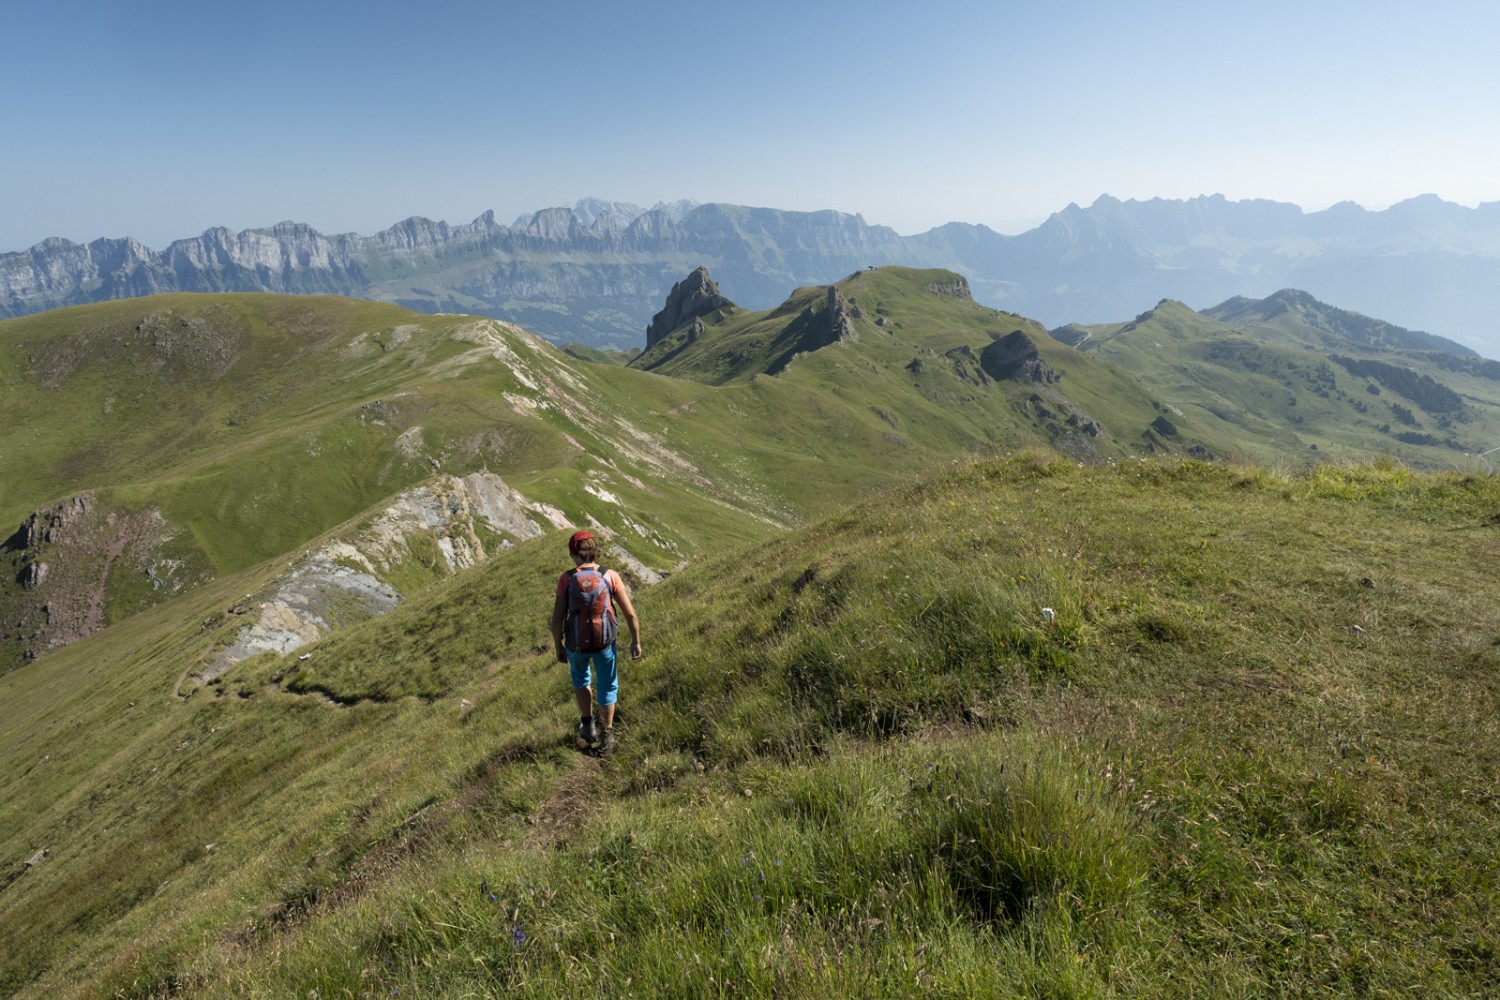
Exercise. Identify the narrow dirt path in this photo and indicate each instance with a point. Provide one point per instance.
(567, 807)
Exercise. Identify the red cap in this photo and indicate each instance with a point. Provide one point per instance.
(578, 536)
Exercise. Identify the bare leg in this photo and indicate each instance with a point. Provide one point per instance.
(605, 715)
(585, 699)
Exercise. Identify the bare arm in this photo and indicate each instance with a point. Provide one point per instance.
(559, 615)
(627, 611)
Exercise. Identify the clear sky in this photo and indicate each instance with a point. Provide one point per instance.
(161, 118)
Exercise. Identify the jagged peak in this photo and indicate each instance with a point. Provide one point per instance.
(589, 210)
(692, 298)
(675, 209)
(290, 226)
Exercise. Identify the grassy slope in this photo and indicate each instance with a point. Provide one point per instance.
(254, 423)
(584, 352)
(1274, 393)
(266, 421)
(844, 770)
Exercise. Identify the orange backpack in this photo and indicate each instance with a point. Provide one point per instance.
(591, 614)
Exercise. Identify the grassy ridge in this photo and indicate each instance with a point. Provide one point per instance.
(1251, 755)
(1276, 391)
(910, 376)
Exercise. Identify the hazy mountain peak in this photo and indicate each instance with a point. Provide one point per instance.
(591, 209)
(596, 273)
(1328, 326)
(675, 210)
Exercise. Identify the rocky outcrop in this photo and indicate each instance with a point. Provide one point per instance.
(967, 367)
(691, 299)
(815, 328)
(76, 564)
(958, 288)
(1015, 356)
(346, 579)
(840, 318)
(1073, 335)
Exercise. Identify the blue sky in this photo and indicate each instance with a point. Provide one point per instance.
(160, 119)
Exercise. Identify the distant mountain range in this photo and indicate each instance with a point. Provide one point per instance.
(597, 272)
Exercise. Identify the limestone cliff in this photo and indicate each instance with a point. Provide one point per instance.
(596, 273)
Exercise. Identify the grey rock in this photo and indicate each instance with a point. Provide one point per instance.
(1015, 356)
(691, 299)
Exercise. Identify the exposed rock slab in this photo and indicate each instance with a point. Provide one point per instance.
(341, 580)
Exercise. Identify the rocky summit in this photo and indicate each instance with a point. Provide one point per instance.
(693, 297)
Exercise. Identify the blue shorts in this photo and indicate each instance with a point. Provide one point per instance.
(606, 674)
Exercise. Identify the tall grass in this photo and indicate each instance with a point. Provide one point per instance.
(858, 760)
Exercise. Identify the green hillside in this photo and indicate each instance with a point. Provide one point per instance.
(209, 433)
(911, 349)
(1311, 381)
(1298, 317)
(1248, 756)
(165, 442)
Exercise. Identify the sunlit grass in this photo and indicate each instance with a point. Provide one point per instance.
(1250, 754)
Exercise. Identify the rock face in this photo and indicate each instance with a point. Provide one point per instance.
(957, 289)
(1015, 356)
(692, 298)
(345, 577)
(75, 564)
(815, 328)
(840, 318)
(79, 564)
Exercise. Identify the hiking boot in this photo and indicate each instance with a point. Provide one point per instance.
(588, 735)
(607, 741)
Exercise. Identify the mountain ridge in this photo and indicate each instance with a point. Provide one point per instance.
(597, 272)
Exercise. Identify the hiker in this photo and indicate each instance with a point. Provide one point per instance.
(583, 613)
